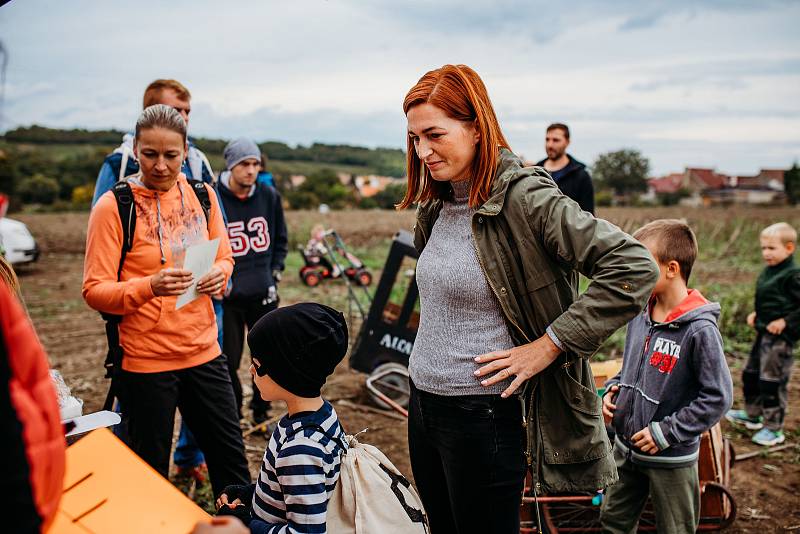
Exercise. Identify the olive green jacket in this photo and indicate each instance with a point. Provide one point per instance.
(531, 242)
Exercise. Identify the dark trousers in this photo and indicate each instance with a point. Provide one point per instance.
(238, 314)
(765, 379)
(205, 398)
(468, 461)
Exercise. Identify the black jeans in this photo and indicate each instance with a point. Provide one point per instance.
(205, 398)
(468, 461)
(237, 314)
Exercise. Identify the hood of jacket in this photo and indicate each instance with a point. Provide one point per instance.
(225, 183)
(693, 308)
(573, 166)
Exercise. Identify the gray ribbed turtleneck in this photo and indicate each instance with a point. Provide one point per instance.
(460, 316)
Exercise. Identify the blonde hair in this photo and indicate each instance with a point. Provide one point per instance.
(782, 231)
(9, 277)
(161, 116)
(317, 229)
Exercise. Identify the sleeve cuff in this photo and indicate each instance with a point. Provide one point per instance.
(658, 436)
(143, 290)
(554, 338)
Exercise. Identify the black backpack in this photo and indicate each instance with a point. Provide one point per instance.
(127, 214)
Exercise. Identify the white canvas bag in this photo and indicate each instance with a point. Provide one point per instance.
(372, 496)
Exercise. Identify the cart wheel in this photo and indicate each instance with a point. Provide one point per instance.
(581, 513)
(394, 385)
(725, 522)
(311, 278)
(364, 278)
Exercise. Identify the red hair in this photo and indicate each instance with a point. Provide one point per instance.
(459, 92)
(152, 94)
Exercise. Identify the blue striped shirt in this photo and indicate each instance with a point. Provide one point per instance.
(298, 474)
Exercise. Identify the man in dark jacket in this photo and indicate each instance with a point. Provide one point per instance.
(568, 173)
(257, 232)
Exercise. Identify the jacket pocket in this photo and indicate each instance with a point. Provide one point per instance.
(572, 426)
(541, 279)
(146, 317)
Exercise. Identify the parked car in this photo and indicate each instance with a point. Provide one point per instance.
(17, 243)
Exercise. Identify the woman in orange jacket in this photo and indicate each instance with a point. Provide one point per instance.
(171, 357)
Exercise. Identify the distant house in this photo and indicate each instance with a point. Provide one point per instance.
(297, 180)
(766, 179)
(367, 186)
(371, 185)
(691, 184)
(706, 187)
(766, 187)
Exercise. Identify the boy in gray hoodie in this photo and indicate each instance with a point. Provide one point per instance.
(674, 385)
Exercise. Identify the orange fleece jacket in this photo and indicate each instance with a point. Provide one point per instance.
(154, 335)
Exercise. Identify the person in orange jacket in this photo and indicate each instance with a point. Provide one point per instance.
(32, 447)
(171, 357)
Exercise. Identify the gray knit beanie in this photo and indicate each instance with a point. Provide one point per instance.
(239, 150)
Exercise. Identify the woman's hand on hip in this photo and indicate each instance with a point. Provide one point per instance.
(521, 362)
(212, 283)
(169, 282)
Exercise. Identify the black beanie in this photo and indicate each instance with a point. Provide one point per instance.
(299, 346)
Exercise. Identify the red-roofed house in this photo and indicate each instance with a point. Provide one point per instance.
(764, 188)
(705, 179)
(694, 181)
(670, 183)
(708, 187)
(371, 185)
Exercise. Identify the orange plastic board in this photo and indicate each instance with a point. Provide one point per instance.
(108, 489)
(602, 371)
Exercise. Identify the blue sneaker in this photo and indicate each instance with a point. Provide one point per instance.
(740, 417)
(768, 438)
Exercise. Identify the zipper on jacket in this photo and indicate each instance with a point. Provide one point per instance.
(529, 416)
(638, 376)
(529, 448)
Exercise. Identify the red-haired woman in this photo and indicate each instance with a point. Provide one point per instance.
(499, 370)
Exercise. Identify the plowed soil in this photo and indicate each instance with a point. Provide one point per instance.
(765, 487)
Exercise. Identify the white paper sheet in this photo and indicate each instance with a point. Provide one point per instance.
(199, 259)
(85, 423)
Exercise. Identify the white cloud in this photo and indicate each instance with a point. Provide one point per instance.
(679, 80)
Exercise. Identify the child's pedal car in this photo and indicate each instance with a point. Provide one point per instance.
(387, 334)
(323, 257)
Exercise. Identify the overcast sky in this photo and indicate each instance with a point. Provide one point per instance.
(687, 82)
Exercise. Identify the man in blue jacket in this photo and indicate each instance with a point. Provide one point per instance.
(569, 174)
(257, 232)
(121, 162)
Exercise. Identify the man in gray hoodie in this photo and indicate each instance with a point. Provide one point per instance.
(674, 385)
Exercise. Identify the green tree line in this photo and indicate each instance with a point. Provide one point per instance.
(58, 167)
(383, 161)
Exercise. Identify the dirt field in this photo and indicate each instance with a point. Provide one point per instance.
(766, 487)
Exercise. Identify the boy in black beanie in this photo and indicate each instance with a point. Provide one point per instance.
(294, 350)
